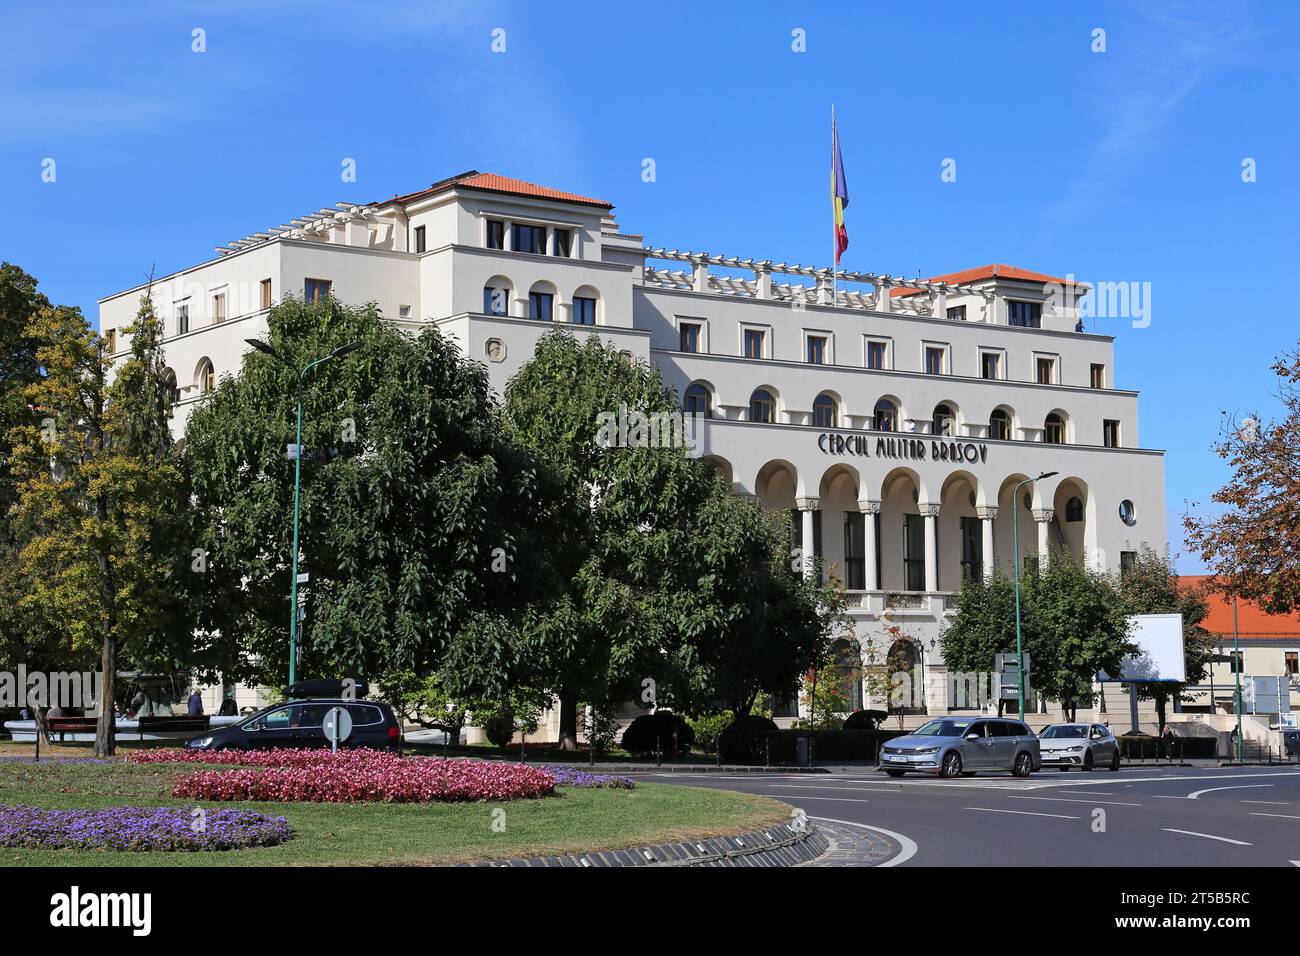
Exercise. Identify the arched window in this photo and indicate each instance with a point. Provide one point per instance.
(496, 300)
(541, 302)
(169, 383)
(1054, 429)
(826, 411)
(207, 377)
(698, 401)
(1074, 509)
(584, 305)
(762, 406)
(885, 418)
(1000, 425)
(944, 422)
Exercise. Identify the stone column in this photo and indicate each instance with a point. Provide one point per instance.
(700, 275)
(870, 509)
(806, 508)
(507, 235)
(931, 515)
(986, 516)
(1044, 518)
(763, 282)
(521, 307)
(563, 312)
(883, 285)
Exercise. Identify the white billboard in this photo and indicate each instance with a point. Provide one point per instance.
(1159, 638)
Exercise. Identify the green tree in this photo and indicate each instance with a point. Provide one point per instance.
(409, 499)
(1150, 586)
(653, 569)
(100, 493)
(984, 626)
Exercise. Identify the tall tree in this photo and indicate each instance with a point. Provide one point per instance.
(1249, 540)
(100, 493)
(1150, 586)
(408, 502)
(654, 569)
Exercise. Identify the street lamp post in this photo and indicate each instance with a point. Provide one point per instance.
(1236, 670)
(297, 484)
(1015, 566)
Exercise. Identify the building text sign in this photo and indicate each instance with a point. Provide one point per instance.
(909, 449)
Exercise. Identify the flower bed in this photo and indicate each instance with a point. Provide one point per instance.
(350, 776)
(139, 829)
(584, 780)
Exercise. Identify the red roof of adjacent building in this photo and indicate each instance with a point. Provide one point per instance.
(1251, 620)
(491, 182)
(983, 273)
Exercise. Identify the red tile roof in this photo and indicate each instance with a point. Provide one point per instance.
(1251, 621)
(491, 182)
(983, 273)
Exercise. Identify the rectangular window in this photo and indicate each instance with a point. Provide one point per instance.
(1046, 369)
(1110, 433)
(266, 293)
(584, 310)
(957, 313)
(816, 350)
(110, 338)
(563, 243)
(1097, 376)
(1127, 559)
(913, 553)
(753, 343)
(1292, 659)
(219, 308)
(530, 239)
(855, 562)
(972, 549)
(1027, 315)
(182, 318)
(934, 359)
(876, 354)
(1236, 662)
(419, 239)
(689, 334)
(496, 234)
(989, 365)
(495, 300)
(316, 290)
(540, 306)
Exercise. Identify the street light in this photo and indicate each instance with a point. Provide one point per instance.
(1015, 567)
(1236, 670)
(297, 482)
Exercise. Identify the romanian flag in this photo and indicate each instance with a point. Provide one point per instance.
(839, 194)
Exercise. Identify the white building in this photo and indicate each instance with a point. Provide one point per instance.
(896, 418)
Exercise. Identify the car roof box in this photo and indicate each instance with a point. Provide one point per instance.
(328, 687)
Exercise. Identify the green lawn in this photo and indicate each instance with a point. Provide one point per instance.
(379, 834)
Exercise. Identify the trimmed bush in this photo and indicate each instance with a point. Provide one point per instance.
(864, 720)
(499, 729)
(708, 728)
(744, 740)
(655, 731)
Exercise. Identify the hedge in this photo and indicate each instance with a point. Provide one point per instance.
(1146, 747)
(827, 745)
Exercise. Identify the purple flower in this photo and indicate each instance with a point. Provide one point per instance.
(572, 777)
(139, 829)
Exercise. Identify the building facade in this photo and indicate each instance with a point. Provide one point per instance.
(893, 418)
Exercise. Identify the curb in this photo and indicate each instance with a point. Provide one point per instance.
(782, 845)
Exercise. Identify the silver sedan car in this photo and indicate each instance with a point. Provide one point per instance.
(963, 746)
(1079, 745)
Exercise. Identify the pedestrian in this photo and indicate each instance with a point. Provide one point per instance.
(195, 704)
(228, 708)
(1166, 741)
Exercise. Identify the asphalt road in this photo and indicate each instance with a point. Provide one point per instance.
(1177, 817)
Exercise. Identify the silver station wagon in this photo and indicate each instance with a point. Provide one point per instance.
(963, 746)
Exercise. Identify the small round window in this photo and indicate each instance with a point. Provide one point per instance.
(1127, 513)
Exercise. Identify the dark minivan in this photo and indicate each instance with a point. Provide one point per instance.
(300, 724)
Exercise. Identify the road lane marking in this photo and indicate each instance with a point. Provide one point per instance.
(1247, 786)
(797, 786)
(1109, 803)
(800, 796)
(1075, 793)
(907, 843)
(1025, 813)
(1208, 836)
(1284, 816)
(1271, 803)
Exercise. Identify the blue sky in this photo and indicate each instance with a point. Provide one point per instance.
(1122, 166)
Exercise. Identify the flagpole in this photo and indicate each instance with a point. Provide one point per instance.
(835, 244)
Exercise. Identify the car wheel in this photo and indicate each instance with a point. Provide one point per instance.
(951, 764)
(1023, 766)
(1114, 761)
(1087, 760)
(895, 773)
